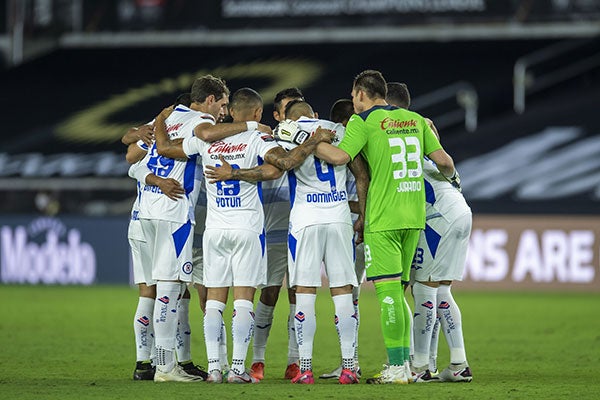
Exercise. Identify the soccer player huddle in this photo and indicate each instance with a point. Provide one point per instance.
(225, 202)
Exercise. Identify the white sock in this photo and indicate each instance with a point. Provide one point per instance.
(165, 323)
(451, 321)
(213, 319)
(262, 327)
(355, 293)
(293, 352)
(433, 349)
(411, 324)
(345, 324)
(306, 325)
(223, 358)
(424, 319)
(242, 328)
(143, 329)
(184, 331)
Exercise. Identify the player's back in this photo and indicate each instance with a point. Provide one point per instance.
(394, 148)
(318, 189)
(442, 199)
(236, 204)
(153, 203)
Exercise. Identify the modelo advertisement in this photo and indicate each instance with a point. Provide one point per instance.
(506, 252)
(533, 252)
(63, 251)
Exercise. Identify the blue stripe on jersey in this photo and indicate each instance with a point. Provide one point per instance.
(259, 183)
(350, 187)
(263, 241)
(189, 173)
(180, 109)
(139, 191)
(277, 237)
(292, 241)
(180, 236)
(366, 113)
(429, 193)
(293, 182)
(433, 239)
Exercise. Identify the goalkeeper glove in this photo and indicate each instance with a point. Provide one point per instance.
(290, 131)
(455, 180)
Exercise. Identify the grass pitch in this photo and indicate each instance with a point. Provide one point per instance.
(77, 342)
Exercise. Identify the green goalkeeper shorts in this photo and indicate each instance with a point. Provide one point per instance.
(389, 254)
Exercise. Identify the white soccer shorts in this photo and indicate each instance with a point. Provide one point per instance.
(170, 244)
(277, 264)
(330, 244)
(197, 261)
(442, 250)
(233, 257)
(141, 258)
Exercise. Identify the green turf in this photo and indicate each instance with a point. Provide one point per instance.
(77, 342)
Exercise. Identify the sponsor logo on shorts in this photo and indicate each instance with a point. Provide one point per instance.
(144, 320)
(164, 299)
(388, 300)
(187, 268)
(336, 320)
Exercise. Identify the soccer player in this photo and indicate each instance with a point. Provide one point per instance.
(439, 259)
(234, 238)
(393, 142)
(320, 231)
(340, 112)
(276, 204)
(143, 136)
(142, 273)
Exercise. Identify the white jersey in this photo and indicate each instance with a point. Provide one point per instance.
(276, 203)
(233, 204)
(135, 229)
(153, 203)
(441, 198)
(317, 189)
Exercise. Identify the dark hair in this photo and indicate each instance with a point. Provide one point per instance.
(289, 93)
(185, 99)
(372, 83)
(208, 85)
(341, 111)
(244, 99)
(297, 108)
(398, 94)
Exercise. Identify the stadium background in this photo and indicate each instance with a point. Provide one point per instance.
(513, 86)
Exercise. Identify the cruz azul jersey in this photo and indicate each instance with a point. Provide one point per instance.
(392, 141)
(276, 205)
(317, 189)
(441, 198)
(233, 204)
(153, 203)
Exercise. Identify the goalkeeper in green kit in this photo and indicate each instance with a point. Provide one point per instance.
(393, 142)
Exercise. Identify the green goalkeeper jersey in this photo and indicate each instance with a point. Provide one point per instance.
(392, 140)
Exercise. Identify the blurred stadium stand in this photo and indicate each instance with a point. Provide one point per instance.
(76, 74)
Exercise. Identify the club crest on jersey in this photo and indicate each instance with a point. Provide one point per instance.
(187, 268)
